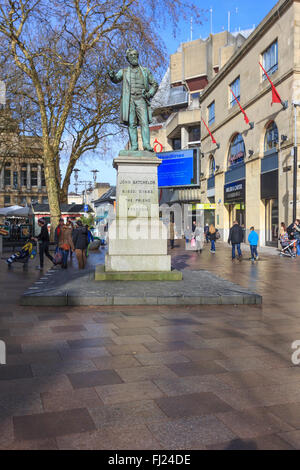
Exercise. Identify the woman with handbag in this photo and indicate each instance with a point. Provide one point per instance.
(65, 244)
(213, 237)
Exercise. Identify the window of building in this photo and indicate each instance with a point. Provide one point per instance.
(236, 88)
(7, 175)
(236, 151)
(34, 200)
(45, 200)
(15, 180)
(6, 199)
(212, 166)
(43, 177)
(176, 144)
(34, 175)
(194, 134)
(270, 59)
(271, 137)
(23, 200)
(211, 113)
(23, 176)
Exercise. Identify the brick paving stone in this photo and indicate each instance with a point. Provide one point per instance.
(127, 392)
(292, 438)
(171, 346)
(186, 385)
(86, 397)
(62, 367)
(270, 442)
(89, 342)
(130, 413)
(199, 355)
(13, 372)
(116, 362)
(120, 350)
(135, 330)
(253, 422)
(140, 374)
(111, 438)
(289, 413)
(191, 433)
(36, 444)
(193, 404)
(161, 358)
(83, 353)
(52, 424)
(67, 328)
(94, 378)
(196, 368)
(15, 404)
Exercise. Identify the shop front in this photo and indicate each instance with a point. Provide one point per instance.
(269, 195)
(234, 200)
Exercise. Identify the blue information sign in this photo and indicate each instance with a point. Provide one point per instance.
(178, 168)
(86, 208)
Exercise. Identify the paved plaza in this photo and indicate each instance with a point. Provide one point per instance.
(155, 377)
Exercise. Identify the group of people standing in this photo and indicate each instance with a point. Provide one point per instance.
(68, 239)
(292, 232)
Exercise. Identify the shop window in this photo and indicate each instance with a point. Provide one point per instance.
(34, 175)
(211, 113)
(176, 144)
(6, 199)
(270, 59)
(236, 88)
(271, 137)
(212, 166)
(236, 151)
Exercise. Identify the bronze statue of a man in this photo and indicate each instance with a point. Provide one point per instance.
(139, 87)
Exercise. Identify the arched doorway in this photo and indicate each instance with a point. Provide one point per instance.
(234, 190)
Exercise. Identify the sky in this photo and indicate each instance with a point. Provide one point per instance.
(243, 15)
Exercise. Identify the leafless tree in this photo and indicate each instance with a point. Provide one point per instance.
(60, 52)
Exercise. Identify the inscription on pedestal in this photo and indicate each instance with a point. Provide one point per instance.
(137, 196)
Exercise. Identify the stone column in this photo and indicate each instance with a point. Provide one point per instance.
(184, 138)
(28, 176)
(39, 176)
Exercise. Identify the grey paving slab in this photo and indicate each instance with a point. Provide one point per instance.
(197, 288)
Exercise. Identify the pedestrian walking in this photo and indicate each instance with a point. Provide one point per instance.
(199, 236)
(188, 236)
(80, 240)
(172, 234)
(65, 243)
(236, 238)
(212, 233)
(253, 242)
(43, 241)
(206, 231)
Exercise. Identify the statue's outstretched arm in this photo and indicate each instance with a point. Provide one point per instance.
(116, 77)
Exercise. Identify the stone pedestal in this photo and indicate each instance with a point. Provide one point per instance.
(137, 238)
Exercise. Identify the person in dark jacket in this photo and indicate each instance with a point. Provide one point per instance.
(43, 240)
(235, 238)
(80, 240)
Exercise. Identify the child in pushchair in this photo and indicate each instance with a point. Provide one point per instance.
(27, 252)
(288, 246)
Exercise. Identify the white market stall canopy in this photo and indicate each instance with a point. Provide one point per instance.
(16, 211)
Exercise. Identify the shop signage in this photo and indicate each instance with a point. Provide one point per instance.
(206, 206)
(237, 157)
(234, 192)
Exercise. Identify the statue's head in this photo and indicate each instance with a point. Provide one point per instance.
(132, 56)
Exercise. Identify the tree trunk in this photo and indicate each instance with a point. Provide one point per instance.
(52, 189)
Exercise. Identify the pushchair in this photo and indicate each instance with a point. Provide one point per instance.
(288, 247)
(22, 256)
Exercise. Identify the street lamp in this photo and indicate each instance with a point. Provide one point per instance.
(295, 104)
(76, 170)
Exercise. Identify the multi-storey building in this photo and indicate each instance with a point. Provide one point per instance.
(22, 179)
(249, 175)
